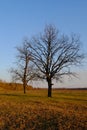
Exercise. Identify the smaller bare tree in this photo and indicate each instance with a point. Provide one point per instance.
(24, 67)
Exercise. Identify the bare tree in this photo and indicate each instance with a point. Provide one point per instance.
(24, 68)
(54, 55)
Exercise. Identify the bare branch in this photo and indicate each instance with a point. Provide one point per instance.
(24, 67)
(53, 54)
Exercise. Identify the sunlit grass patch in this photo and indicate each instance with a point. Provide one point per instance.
(35, 111)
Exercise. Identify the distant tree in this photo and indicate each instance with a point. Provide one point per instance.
(54, 55)
(24, 68)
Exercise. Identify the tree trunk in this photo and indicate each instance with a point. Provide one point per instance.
(49, 88)
(24, 83)
(24, 86)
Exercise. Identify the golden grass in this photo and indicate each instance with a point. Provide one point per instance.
(13, 86)
(66, 110)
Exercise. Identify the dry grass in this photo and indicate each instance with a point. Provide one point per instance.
(66, 110)
(13, 86)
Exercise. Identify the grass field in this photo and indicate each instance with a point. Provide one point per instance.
(66, 110)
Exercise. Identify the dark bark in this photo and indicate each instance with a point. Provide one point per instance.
(24, 86)
(50, 91)
(49, 88)
(24, 81)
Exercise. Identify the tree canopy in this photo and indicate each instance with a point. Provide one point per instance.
(54, 54)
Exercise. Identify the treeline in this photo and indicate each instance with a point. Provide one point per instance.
(70, 88)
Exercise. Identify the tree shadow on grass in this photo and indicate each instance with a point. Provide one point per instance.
(19, 95)
(39, 96)
(8, 94)
(73, 99)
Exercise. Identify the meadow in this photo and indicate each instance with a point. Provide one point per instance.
(66, 110)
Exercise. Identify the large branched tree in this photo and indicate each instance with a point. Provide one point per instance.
(54, 55)
(24, 69)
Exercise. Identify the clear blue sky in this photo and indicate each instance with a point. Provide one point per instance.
(24, 18)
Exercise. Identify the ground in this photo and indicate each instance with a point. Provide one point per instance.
(66, 110)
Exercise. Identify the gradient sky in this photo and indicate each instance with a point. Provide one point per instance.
(24, 18)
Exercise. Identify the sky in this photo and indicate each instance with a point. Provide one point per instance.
(24, 18)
